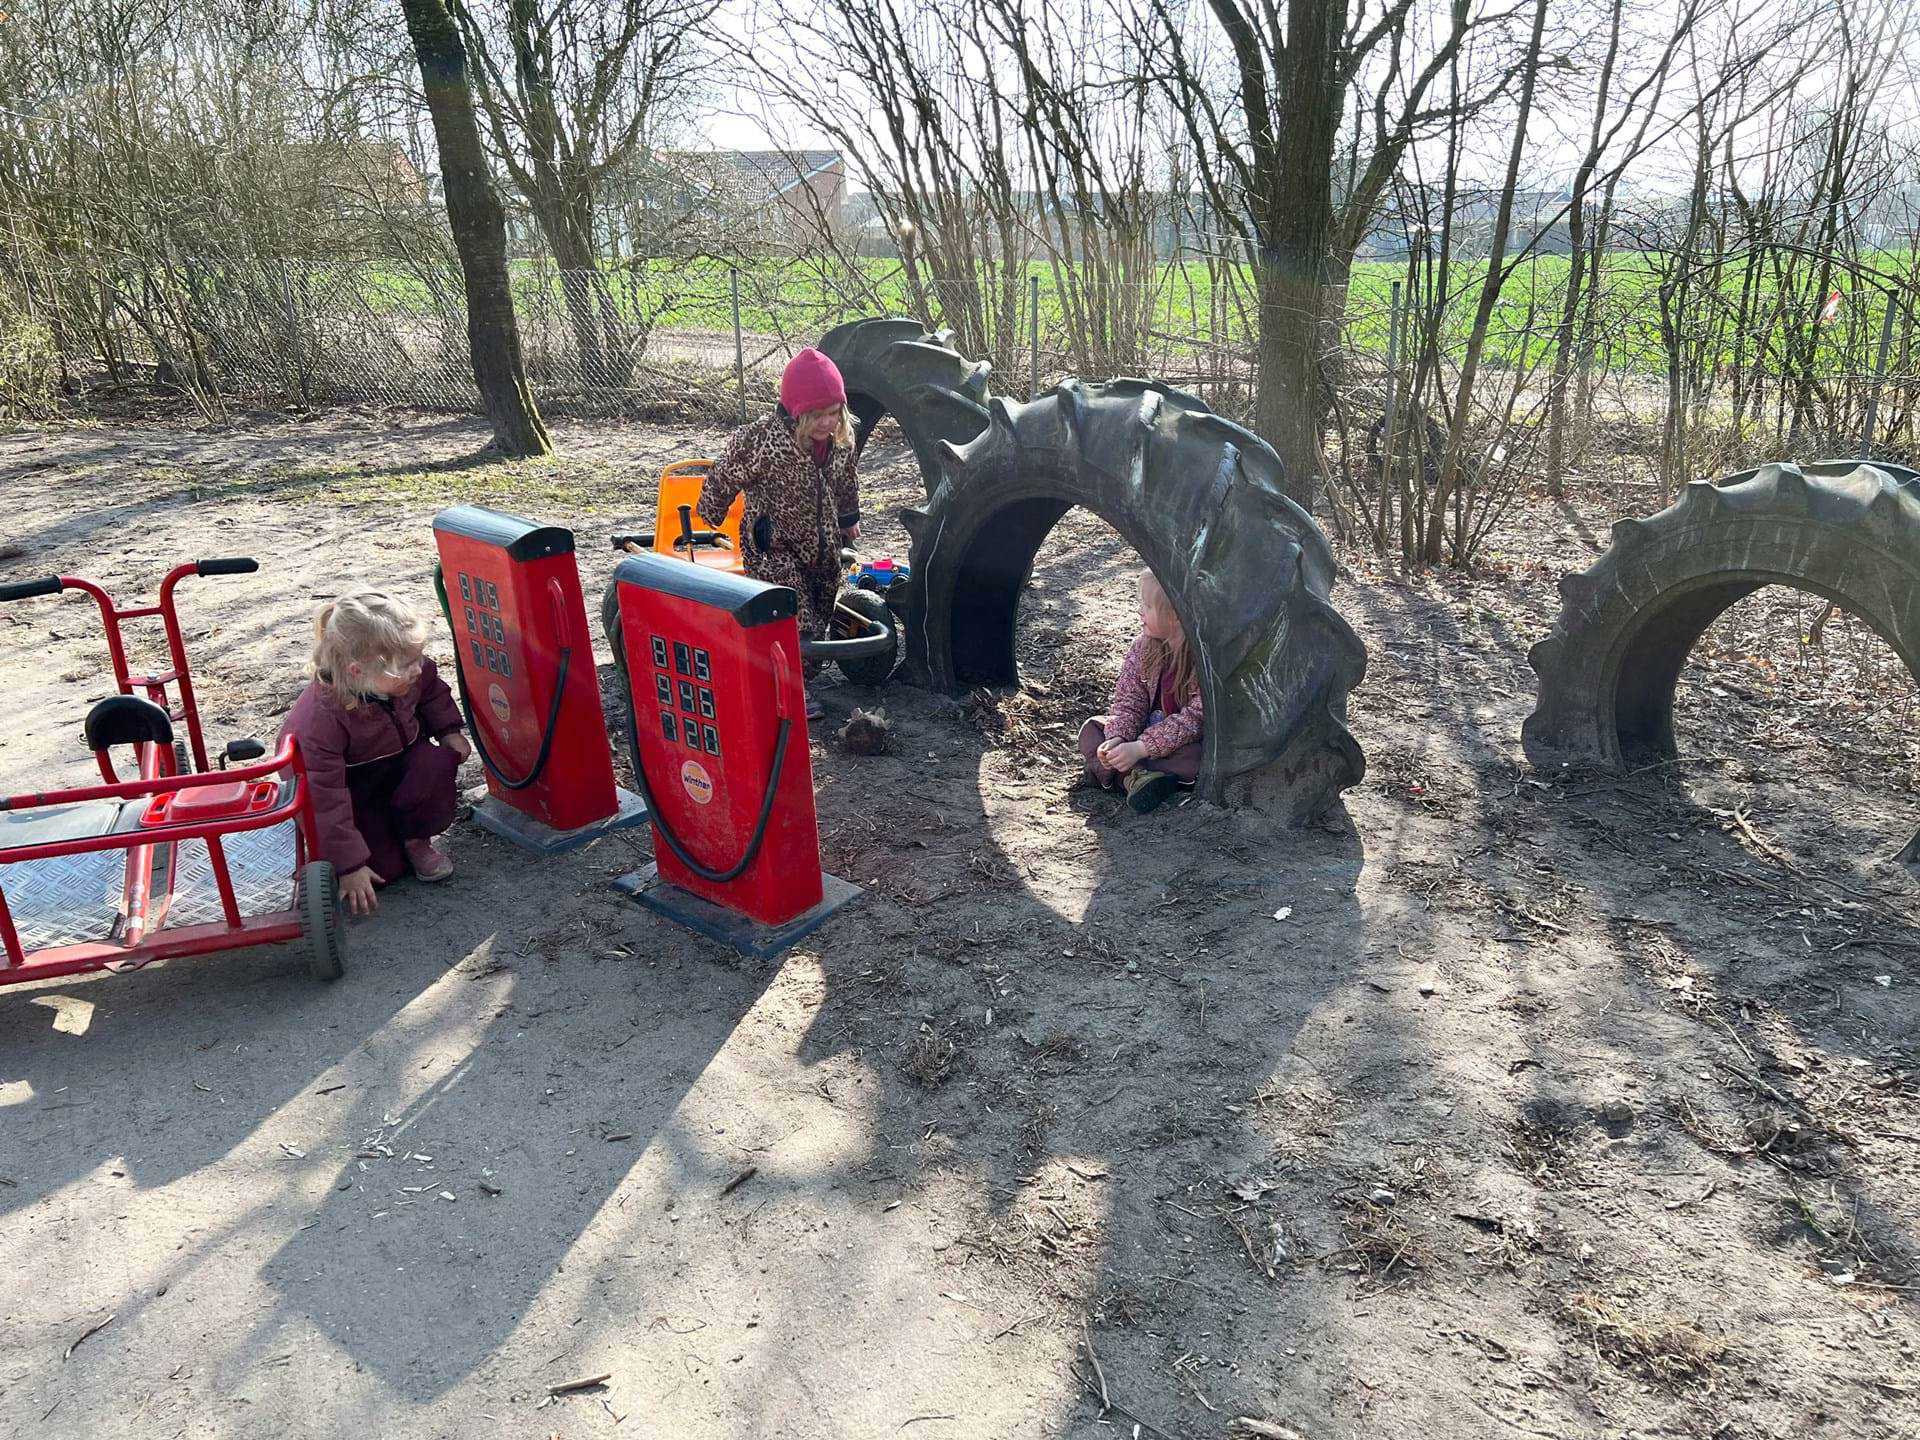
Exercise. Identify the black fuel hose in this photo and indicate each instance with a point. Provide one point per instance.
(674, 843)
(466, 701)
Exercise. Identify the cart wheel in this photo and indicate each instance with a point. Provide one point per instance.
(181, 765)
(610, 623)
(874, 669)
(317, 898)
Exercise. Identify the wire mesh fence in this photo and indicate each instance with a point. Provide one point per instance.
(670, 338)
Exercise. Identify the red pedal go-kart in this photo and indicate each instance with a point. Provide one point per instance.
(183, 860)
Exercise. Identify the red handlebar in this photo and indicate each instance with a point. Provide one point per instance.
(135, 789)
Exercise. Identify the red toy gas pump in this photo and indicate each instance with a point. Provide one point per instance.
(719, 731)
(511, 593)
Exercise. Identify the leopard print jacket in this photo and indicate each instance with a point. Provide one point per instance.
(796, 506)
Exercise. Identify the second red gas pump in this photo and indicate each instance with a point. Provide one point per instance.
(719, 734)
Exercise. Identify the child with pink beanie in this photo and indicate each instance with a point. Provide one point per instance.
(796, 467)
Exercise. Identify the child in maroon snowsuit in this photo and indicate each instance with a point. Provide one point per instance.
(380, 734)
(803, 500)
(1150, 742)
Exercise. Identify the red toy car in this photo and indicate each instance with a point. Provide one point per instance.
(183, 860)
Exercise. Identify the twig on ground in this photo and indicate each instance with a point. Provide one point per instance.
(1017, 1324)
(1147, 1427)
(1246, 1242)
(585, 1382)
(1515, 1424)
(91, 1330)
(1086, 1336)
(1766, 849)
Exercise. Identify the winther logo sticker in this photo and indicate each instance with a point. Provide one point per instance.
(497, 698)
(698, 784)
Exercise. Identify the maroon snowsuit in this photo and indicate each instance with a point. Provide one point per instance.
(376, 776)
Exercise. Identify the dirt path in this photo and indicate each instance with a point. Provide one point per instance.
(1505, 1104)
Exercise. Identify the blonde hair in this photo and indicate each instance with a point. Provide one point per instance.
(842, 437)
(369, 628)
(1163, 657)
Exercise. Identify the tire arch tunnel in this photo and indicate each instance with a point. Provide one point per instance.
(1198, 497)
(1844, 530)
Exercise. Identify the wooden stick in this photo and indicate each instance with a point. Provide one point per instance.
(1146, 1426)
(567, 1387)
(1086, 1335)
(96, 1329)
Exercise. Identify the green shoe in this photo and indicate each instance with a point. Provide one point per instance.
(1150, 791)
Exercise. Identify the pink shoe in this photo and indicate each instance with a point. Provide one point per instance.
(429, 865)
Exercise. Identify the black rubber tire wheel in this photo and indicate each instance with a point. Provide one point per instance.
(316, 895)
(610, 625)
(875, 669)
(182, 764)
(1845, 530)
(898, 367)
(1203, 502)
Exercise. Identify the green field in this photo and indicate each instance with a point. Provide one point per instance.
(1192, 305)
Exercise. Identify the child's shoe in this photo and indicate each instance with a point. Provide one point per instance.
(1148, 790)
(429, 865)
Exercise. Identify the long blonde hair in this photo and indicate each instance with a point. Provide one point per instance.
(842, 436)
(1163, 657)
(369, 628)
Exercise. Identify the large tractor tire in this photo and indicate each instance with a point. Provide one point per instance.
(1843, 529)
(900, 368)
(1200, 499)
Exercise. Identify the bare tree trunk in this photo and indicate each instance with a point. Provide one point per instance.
(479, 233)
(1451, 468)
(567, 222)
(1293, 218)
(1576, 271)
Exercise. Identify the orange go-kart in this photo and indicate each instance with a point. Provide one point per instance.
(865, 642)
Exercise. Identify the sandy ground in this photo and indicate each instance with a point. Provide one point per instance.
(1501, 1104)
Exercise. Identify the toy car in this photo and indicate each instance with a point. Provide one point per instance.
(865, 642)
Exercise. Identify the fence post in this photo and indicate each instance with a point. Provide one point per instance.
(1033, 361)
(1879, 378)
(739, 345)
(1386, 416)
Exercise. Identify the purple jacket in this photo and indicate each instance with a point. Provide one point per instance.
(1136, 695)
(333, 739)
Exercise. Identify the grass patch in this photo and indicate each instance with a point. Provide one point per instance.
(1668, 1351)
(551, 481)
(930, 1056)
(1208, 303)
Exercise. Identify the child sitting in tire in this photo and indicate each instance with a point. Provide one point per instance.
(1149, 742)
(380, 734)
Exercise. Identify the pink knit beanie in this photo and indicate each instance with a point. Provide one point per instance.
(811, 382)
